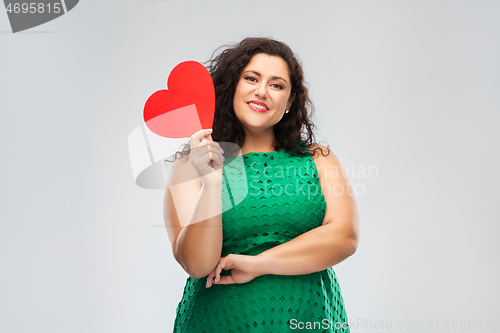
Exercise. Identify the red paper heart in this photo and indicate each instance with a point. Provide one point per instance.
(186, 107)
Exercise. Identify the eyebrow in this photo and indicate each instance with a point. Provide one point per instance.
(273, 78)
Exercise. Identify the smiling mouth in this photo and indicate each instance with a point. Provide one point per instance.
(260, 108)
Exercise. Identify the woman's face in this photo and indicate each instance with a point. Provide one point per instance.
(262, 93)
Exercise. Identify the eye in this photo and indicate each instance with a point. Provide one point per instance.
(249, 78)
(277, 86)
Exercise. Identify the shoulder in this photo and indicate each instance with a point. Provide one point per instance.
(320, 152)
(325, 160)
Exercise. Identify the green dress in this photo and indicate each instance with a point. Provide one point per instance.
(283, 201)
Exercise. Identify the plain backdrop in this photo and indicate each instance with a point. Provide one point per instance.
(406, 95)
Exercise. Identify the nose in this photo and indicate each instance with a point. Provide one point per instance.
(261, 90)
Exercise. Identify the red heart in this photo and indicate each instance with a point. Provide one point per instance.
(186, 107)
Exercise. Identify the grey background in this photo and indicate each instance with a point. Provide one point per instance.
(409, 87)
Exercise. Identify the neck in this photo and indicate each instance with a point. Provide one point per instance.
(258, 142)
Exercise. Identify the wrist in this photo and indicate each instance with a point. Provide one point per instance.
(262, 264)
(211, 188)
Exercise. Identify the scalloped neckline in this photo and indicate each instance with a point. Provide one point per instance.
(266, 152)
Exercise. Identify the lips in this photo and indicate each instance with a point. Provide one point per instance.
(258, 106)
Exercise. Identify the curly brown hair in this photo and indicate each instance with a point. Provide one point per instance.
(293, 131)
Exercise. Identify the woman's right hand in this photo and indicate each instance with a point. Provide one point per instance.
(206, 157)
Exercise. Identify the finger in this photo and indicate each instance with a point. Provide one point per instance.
(212, 148)
(217, 271)
(200, 160)
(224, 263)
(217, 277)
(228, 279)
(220, 266)
(209, 279)
(223, 279)
(217, 150)
(203, 156)
(205, 144)
(200, 135)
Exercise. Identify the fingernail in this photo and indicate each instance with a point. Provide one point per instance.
(206, 285)
(209, 130)
(221, 150)
(223, 158)
(215, 280)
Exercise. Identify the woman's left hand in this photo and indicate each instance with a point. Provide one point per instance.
(242, 270)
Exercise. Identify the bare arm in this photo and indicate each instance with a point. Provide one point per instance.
(313, 251)
(327, 245)
(193, 218)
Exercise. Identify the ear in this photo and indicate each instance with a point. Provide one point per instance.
(290, 102)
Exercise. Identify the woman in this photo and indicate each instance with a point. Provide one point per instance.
(264, 265)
